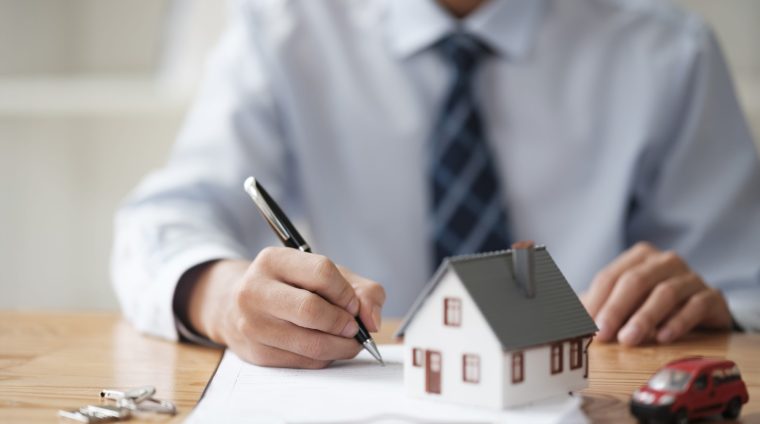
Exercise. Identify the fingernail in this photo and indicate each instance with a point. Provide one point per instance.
(376, 317)
(353, 306)
(665, 336)
(630, 334)
(350, 329)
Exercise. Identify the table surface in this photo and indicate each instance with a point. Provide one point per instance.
(51, 361)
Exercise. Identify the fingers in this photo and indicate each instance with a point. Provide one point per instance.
(632, 288)
(663, 300)
(708, 308)
(302, 308)
(604, 281)
(267, 356)
(311, 272)
(371, 298)
(306, 342)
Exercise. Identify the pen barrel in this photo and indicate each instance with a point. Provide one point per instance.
(363, 334)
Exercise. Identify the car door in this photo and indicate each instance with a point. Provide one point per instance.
(704, 400)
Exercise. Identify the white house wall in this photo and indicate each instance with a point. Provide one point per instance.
(539, 382)
(428, 332)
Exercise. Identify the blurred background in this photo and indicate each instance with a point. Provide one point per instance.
(92, 93)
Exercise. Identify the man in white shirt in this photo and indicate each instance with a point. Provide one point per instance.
(607, 130)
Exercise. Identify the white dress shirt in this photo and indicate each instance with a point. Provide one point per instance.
(610, 122)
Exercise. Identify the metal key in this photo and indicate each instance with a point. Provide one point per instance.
(138, 394)
(96, 414)
(153, 405)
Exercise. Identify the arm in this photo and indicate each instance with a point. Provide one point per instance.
(697, 197)
(193, 215)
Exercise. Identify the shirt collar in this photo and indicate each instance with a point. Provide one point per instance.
(507, 26)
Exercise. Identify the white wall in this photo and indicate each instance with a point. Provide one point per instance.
(82, 117)
(474, 336)
(538, 379)
(85, 112)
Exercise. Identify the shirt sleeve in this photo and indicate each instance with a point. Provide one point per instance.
(698, 185)
(195, 209)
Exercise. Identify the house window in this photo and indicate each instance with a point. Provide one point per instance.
(471, 368)
(576, 354)
(518, 367)
(452, 311)
(556, 358)
(418, 357)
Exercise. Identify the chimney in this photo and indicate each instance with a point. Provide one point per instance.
(523, 263)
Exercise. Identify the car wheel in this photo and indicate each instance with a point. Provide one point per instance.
(681, 417)
(733, 409)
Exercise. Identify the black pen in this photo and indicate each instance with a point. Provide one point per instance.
(290, 237)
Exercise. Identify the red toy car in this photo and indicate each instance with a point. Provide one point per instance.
(691, 388)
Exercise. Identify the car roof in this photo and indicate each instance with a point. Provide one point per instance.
(698, 363)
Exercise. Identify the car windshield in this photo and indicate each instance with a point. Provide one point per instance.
(669, 380)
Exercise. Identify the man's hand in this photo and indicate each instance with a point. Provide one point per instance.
(650, 294)
(286, 309)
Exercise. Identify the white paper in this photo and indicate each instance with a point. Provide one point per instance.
(353, 391)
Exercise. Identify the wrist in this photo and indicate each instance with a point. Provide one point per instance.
(208, 288)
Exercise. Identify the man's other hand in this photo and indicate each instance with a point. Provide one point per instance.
(285, 309)
(648, 294)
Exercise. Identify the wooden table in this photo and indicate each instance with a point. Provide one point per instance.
(51, 361)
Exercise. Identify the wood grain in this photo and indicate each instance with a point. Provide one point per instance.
(51, 361)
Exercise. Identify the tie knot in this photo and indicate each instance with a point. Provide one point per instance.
(463, 51)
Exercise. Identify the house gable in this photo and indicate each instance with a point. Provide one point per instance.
(460, 346)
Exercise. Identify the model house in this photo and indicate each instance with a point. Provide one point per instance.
(497, 329)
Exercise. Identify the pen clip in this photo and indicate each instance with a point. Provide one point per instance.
(265, 209)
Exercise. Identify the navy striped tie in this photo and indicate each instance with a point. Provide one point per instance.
(468, 215)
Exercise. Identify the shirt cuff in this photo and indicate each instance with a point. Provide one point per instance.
(167, 325)
(744, 305)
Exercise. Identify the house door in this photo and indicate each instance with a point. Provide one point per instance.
(432, 371)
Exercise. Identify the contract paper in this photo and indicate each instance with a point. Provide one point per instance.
(353, 391)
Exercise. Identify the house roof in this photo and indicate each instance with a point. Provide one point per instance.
(554, 313)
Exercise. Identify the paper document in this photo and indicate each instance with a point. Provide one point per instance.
(352, 391)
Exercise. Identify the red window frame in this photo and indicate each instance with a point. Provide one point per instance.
(555, 358)
(576, 354)
(418, 357)
(471, 363)
(518, 367)
(452, 311)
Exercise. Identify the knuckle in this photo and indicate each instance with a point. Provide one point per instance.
(241, 299)
(266, 255)
(314, 347)
(644, 247)
(340, 322)
(241, 325)
(308, 308)
(345, 295)
(671, 258)
(324, 268)
(633, 278)
(666, 293)
(706, 299)
(603, 277)
(694, 278)
(645, 320)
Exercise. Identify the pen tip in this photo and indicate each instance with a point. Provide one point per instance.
(249, 183)
(372, 349)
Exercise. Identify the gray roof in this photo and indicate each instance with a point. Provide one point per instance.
(554, 313)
